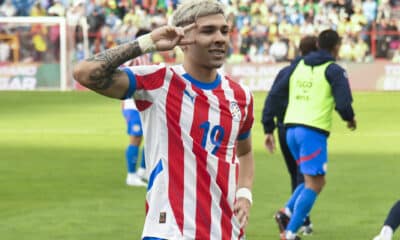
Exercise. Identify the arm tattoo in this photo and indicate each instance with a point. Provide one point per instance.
(102, 77)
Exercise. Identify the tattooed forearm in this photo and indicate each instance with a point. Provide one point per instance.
(101, 78)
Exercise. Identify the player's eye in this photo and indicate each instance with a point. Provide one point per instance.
(225, 31)
(208, 30)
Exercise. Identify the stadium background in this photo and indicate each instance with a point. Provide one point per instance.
(62, 178)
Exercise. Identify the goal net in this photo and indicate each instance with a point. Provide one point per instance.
(33, 54)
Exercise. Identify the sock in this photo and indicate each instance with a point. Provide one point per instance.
(303, 206)
(393, 219)
(143, 163)
(290, 235)
(131, 155)
(288, 212)
(293, 198)
(386, 232)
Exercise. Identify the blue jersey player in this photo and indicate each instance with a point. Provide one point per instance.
(135, 132)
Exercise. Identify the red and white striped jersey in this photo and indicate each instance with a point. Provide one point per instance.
(190, 131)
(140, 60)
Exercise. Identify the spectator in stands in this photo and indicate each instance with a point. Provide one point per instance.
(358, 22)
(7, 9)
(346, 49)
(278, 50)
(96, 20)
(369, 8)
(393, 28)
(246, 39)
(259, 33)
(112, 21)
(273, 28)
(382, 41)
(149, 4)
(294, 18)
(308, 28)
(39, 41)
(126, 31)
(243, 17)
(396, 55)
(132, 17)
(76, 25)
(23, 6)
(5, 50)
(146, 20)
(360, 50)
(37, 10)
(285, 28)
(57, 9)
(384, 10)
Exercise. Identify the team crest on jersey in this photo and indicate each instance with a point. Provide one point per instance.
(235, 111)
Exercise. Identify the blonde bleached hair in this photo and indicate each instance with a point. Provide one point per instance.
(190, 10)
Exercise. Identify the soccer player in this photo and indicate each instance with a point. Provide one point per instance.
(134, 128)
(135, 133)
(307, 44)
(313, 87)
(197, 125)
(391, 223)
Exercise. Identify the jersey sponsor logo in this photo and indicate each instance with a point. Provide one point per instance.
(235, 111)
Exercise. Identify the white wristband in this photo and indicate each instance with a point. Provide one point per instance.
(146, 44)
(244, 193)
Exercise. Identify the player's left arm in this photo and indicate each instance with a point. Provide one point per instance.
(245, 182)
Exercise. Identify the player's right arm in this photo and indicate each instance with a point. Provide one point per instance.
(100, 73)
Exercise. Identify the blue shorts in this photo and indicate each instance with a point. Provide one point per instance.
(309, 149)
(134, 125)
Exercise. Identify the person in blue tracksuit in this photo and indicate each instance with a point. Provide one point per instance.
(392, 222)
(307, 45)
(309, 91)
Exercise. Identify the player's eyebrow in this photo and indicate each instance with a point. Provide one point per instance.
(209, 27)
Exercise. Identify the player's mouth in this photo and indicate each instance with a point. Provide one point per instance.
(218, 53)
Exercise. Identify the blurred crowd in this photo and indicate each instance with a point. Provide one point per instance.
(261, 30)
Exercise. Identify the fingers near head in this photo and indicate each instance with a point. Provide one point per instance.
(189, 27)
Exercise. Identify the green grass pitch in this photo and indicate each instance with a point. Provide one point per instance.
(62, 171)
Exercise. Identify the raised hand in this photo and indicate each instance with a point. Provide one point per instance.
(167, 37)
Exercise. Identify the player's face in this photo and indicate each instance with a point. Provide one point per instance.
(211, 42)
